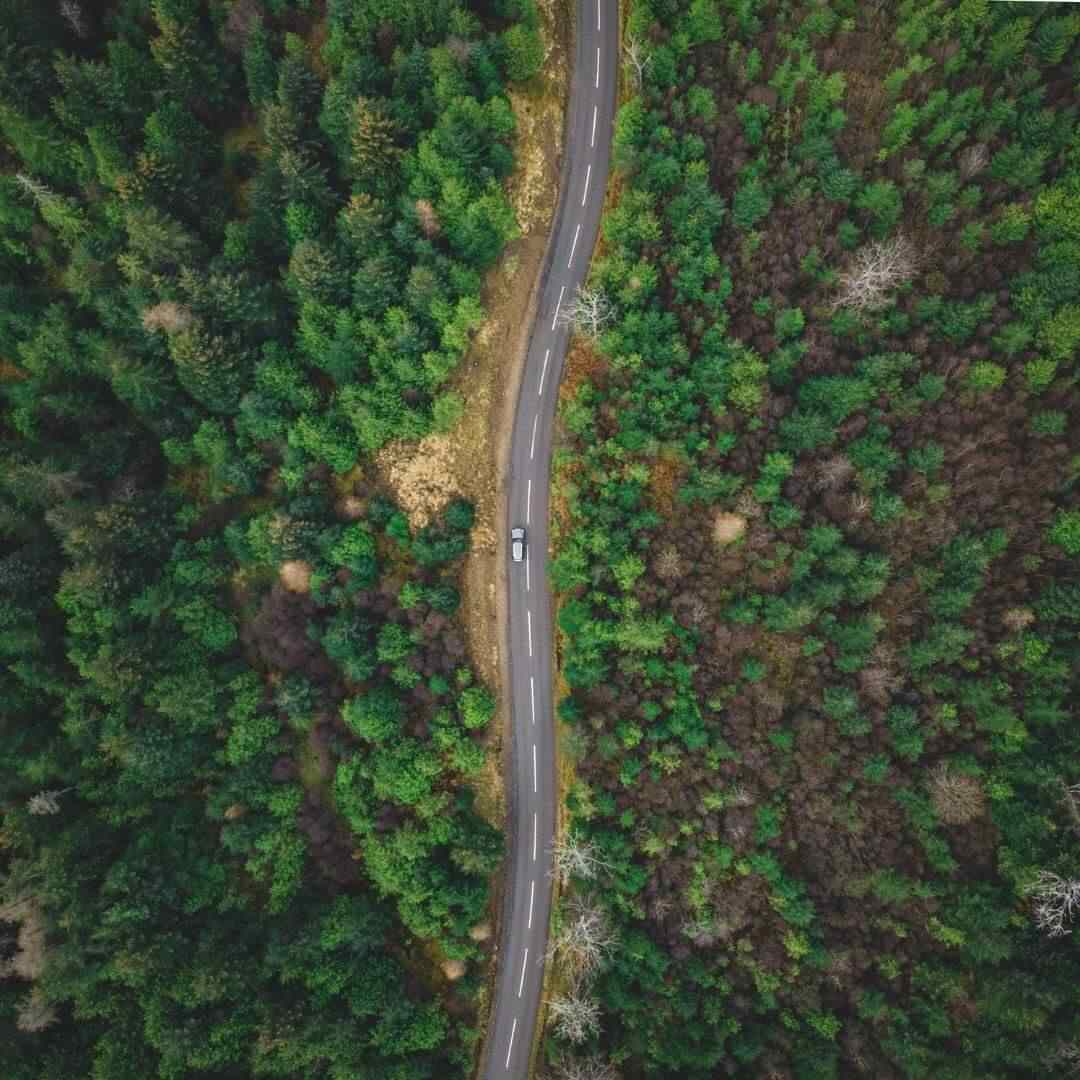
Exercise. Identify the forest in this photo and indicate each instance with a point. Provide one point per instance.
(241, 249)
(818, 530)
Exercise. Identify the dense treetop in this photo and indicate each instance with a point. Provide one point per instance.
(820, 593)
(241, 247)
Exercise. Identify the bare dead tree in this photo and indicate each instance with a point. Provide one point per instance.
(957, 797)
(878, 682)
(584, 939)
(243, 15)
(37, 191)
(576, 1015)
(1057, 900)
(575, 857)
(736, 830)
(874, 272)
(637, 59)
(860, 504)
(592, 1068)
(739, 796)
(46, 802)
(589, 311)
(973, 159)
(73, 16)
(1065, 1055)
(747, 505)
(660, 908)
(833, 473)
(1017, 619)
(703, 929)
(45, 484)
(1070, 797)
(460, 48)
(168, 316)
(697, 611)
(839, 969)
(34, 1013)
(668, 565)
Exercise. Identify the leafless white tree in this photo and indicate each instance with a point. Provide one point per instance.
(1056, 902)
(592, 1068)
(973, 159)
(874, 272)
(576, 1016)
(74, 17)
(589, 311)
(573, 856)
(45, 802)
(637, 59)
(584, 938)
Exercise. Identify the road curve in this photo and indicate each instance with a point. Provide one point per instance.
(530, 762)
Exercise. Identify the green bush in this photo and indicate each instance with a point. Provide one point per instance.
(1065, 531)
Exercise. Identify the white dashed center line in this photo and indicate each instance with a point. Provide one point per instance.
(534, 769)
(597, 14)
(528, 586)
(555, 318)
(592, 139)
(510, 1048)
(597, 67)
(573, 246)
(532, 681)
(534, 836)
(532, 445)
(528, 502)
(529, 620)
(532, 894)
(585, 193)
(543, 373)
(524, 961)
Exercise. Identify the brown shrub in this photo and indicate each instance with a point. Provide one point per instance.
(296, 575)
(168, 316)
(957, 798)
(34, 1013)
(728, 527)
(1018, 618)
(28, 960)
(834, 472)
(453, 969)
(351, 508)
(668, 564)
(428, 219)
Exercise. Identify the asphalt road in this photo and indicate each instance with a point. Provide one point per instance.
(531, 790)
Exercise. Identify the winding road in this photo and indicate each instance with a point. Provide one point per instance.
(530, 763)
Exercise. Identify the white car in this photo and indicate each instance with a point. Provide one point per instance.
(517, 544)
